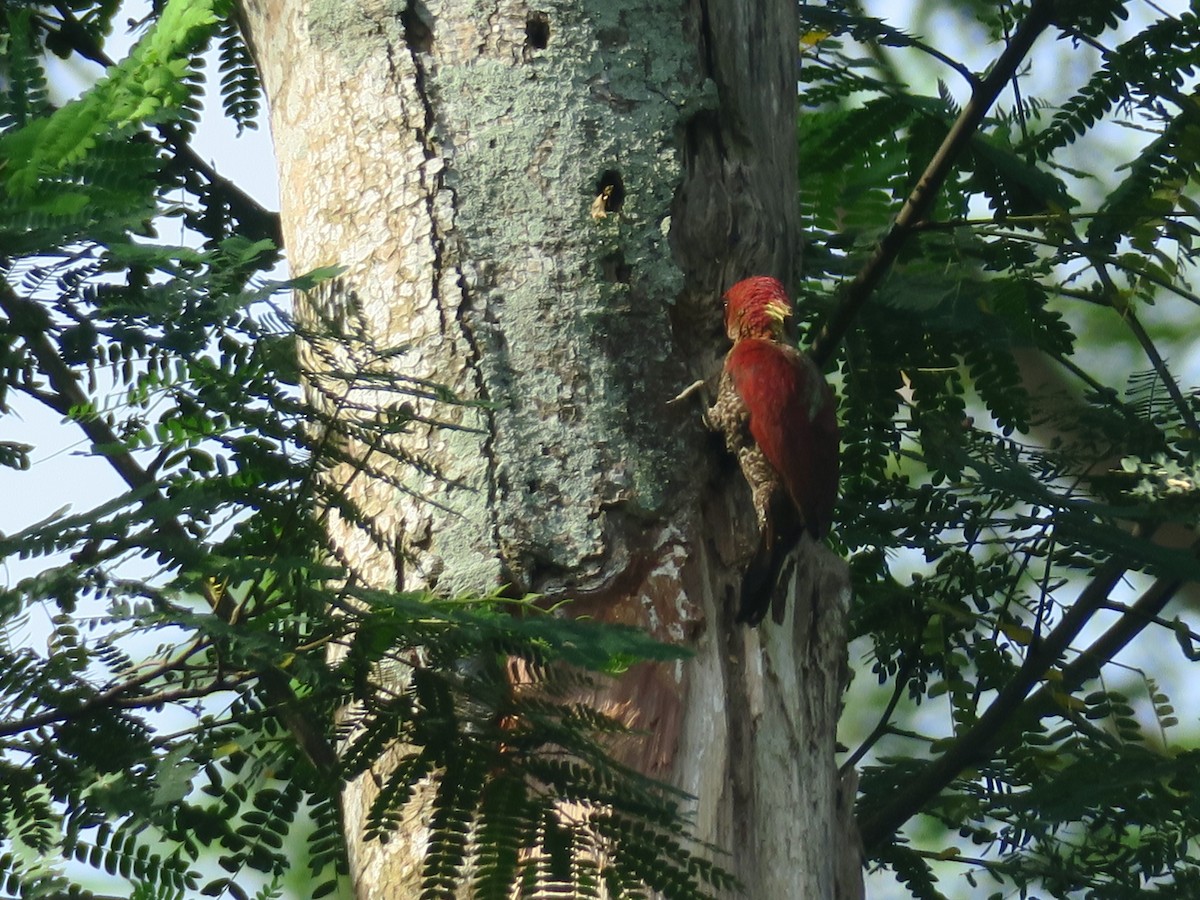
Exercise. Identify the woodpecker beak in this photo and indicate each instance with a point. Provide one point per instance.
(779, 311)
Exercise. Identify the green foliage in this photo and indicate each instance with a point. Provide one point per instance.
(241, 91)
(987, 515)
(154, 82)
(183, 710)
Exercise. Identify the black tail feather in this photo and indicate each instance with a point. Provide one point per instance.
(758, 583)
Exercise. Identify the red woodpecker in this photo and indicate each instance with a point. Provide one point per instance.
(777, 415)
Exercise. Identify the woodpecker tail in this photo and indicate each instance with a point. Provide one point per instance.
(761, 578)
(758, 582)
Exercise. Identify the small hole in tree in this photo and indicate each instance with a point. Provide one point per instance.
(614, 268)
(417, 31)
(537, 31)
(610, 194)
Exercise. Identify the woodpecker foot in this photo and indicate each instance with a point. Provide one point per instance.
(687, 391)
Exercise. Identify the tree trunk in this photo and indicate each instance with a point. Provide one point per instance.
(543, 204)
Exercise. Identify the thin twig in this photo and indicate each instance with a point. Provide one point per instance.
(1160, 368)
(113, 696)
(1109, 298)
(882, 727)
(1034, 219)
(888, 70)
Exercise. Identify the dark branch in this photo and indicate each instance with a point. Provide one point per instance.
(1014, 710)
(120, 698)
(920, 201)
(32, 323)
(1160, 367)
(257, 221)
(906, 40)
(883, 726)
(1134, 620)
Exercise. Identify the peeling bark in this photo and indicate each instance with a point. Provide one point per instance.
(450, 155)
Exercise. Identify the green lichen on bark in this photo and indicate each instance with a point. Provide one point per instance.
(354, 31)
(519, 115)
(569, 314)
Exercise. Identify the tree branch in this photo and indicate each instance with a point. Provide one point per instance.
(1160, 367)
(115, 698)
(1000, 717)
(32, 323)
(883, 726)
(1012, 711)
(258, 221)
(1134, 620)
(920, 201)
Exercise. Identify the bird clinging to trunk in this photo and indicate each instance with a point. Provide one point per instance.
(777, 415)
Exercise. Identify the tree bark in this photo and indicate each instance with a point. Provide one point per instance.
(450, 155)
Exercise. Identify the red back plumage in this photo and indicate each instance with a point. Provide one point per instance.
(792, 420)
(774, 395)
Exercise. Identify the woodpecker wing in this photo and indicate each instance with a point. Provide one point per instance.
(792, 419)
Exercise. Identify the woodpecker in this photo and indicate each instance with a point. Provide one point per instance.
(777, 415)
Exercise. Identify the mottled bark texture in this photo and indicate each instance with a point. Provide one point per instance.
(448, 153)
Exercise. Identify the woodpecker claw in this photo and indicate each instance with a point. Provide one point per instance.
(692, 388)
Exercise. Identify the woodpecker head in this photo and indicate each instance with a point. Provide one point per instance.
(756, 307)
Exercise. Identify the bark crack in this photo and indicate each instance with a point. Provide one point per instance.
(432, 187)
(435, 187)
(707, 40)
